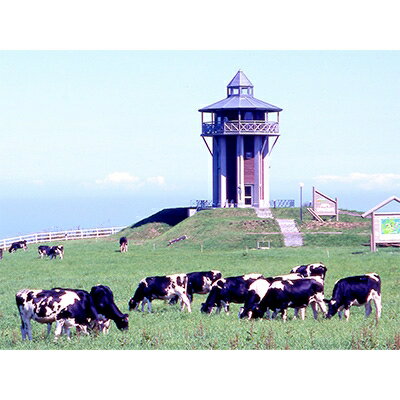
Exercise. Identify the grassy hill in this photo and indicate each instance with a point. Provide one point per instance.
(235, 228)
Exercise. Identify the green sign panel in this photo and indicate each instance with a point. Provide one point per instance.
(390, 226)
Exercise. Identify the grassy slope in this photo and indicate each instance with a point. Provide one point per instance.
(217, 229)
(241, 228)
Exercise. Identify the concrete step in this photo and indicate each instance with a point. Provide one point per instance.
(264, 213)
(291, 235)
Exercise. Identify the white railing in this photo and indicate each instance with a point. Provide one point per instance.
(254, 127)
(74, 234)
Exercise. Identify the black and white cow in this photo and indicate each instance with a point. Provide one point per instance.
(257, 291)
(228, 290)
(199, 283)
(1, 254)
(123, 244)
(18, 245)
(161, 287)
(280, 295)
(103, 300)
(52, 252)
(356, 291)
(65, 307)
(309, 270)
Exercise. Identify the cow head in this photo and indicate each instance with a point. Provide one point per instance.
(250, 313)
(206, 308)
(215, 275)
(122, 323)
(133, 305)
(333, 308)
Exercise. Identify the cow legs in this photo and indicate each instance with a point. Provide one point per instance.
(225, 305)
(378, 305)
(48, 329)
(148, 302)
(26, 329)
(302, 312)
(347, 313)
(59, 329)
(274, 314)
(368, 308)
(185, 301)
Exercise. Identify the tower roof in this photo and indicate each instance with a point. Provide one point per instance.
(240, 99)
(240, 80)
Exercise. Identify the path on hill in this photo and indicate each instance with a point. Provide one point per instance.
(291, 235)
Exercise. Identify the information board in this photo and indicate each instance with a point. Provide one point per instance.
(324, 205)
(386, 228)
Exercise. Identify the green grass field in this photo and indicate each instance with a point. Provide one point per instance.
(88, 263)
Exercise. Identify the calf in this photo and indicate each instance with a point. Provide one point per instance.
(18, 245)
(356, 291)
(228, 290)
(103, 300)
(310, 270)
(297, 293)
(66, 307)
(51, 252)
(161, 287)
(200, 283)
(123, 244)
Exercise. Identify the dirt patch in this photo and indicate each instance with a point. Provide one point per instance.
(255, 225)
(334, 225)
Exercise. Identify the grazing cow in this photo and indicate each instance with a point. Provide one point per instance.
(18, 245)
(280, 295)
(355, 291)
(228, 290)
(310, 270)
(103, 300)
(257, 291)
(66, 307)
(51, 252)
(161, 287)
(200, 283)
(1, 254)
(123, 244)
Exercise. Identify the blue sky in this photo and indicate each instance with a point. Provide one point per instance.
(124, 126)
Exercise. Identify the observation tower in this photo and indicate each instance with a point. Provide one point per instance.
(243, 130)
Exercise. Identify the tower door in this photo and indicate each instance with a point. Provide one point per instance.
(248, 195)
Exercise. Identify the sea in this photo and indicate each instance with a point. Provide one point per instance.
(30, 215)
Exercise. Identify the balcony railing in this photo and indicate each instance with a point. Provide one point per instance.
(239, 127)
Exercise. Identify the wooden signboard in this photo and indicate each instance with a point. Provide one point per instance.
(385, 227)
(324, 205)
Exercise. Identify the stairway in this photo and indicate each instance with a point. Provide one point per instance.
(264, 213)
(291, 235)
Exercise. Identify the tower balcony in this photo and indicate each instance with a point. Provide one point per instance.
(240, 127)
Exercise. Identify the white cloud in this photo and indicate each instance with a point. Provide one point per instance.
(118, 178)
(364, 181)
(156, 180)
(128, 180)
